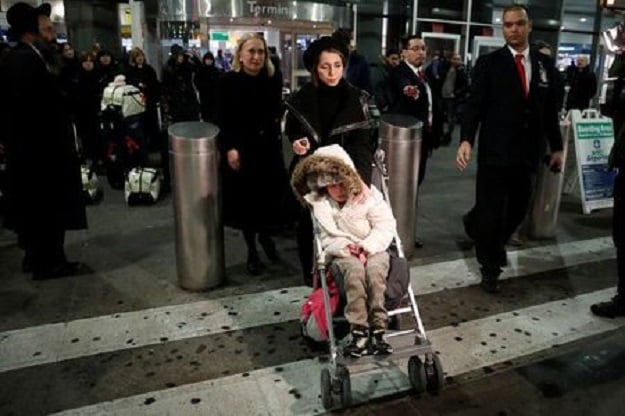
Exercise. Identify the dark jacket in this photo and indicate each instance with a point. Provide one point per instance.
(381, 81)
(583, 87)
(350, 127)
(106, 74)
(44, 184)
(69, 82)
(248, 113)
(178, 90)
(357, 71)
(461, 86)
(512, 127)
(206, 84)
(145, 79)
(402, 76)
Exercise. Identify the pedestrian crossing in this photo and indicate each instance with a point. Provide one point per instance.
(292, 387)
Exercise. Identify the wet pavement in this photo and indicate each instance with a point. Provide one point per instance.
(127, 340)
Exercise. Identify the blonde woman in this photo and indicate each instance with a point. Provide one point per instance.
(254, 177)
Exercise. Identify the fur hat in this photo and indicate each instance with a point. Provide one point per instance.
(328, 165)
(24, 18)
(324, 43)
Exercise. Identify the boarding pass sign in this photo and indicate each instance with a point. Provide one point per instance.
(594, 137)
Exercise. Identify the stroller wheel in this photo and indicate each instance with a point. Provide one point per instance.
(416, 373)
(434, 374)
(345, 384)
(326, 388)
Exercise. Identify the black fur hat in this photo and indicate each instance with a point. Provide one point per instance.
(325, 43)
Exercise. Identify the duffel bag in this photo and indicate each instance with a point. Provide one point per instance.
(143, 186)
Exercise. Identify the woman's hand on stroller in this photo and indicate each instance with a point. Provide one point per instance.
(301, 146)
(358, 252)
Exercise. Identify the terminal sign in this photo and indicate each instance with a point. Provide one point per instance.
(257, 9)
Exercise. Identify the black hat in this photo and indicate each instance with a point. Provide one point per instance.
(24, 18)
(325, 43)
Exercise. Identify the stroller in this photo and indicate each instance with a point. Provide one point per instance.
(121, 126)
(425, 374)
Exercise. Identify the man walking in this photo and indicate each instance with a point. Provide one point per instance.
(44, 185)
(513, 103)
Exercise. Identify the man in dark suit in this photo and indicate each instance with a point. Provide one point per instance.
(44, 186)
(513, 104)
(413, 96)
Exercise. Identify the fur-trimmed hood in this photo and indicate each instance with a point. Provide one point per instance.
(327, 165)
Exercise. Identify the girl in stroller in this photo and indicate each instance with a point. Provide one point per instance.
(357, 227)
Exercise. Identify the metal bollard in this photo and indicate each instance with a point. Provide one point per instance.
(400, 137)
(543, 219)
(197, 205)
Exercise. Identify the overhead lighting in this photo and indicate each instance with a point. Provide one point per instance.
(498, 20)
(582, 19)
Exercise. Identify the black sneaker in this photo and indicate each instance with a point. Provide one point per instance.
(380, 346)
(358, 345)
(613, 308)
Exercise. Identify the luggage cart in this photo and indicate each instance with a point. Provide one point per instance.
(425, 370)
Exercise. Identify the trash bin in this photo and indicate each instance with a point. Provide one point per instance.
(400, 138)
(197, 209)
(543, 219)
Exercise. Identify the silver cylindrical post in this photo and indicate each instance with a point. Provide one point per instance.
(400, 137)
(543, 219)
(196, 197)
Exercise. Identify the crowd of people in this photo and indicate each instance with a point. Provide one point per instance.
(513, 98)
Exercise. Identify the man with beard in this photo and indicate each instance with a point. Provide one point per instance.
(44, 185)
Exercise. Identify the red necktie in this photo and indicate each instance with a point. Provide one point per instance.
(518, 59)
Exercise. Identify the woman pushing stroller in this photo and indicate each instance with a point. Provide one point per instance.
(327, 110)
(356, 229)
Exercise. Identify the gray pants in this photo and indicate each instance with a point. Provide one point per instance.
(364, 289)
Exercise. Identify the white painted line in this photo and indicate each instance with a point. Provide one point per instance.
(294, 389)
(465, 272)
(62, 341)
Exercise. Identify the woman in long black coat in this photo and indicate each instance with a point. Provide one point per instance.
(254, 177)
(328, 110)
(206, 84)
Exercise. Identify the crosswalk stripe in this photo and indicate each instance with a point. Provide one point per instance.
(56, 342)
(293, 388)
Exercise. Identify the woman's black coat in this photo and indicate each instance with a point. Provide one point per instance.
(248, 112)
(350, 128)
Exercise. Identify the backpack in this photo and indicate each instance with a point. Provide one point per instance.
(128, 100)
(312, 316)
(143, 186)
